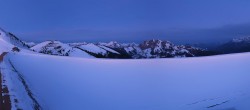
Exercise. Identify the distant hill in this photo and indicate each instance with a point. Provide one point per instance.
(236, 45)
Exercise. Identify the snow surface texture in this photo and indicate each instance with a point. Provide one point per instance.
(16, 89)
(205, 83)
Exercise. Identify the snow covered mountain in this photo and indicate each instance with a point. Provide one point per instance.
(99, 51)
(60, 49)
(245, 39)
(113, 49)
(147, 49)
(163, 49)
(12, 39)
(4, 45)
(74, 49)
(157, 49)
(236, 45)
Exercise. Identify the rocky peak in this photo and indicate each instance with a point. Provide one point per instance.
(112, 44)
(155, 43)
(241, 39)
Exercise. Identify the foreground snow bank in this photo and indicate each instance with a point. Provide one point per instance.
(205, 83)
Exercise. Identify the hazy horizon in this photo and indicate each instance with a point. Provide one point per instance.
(180, 22)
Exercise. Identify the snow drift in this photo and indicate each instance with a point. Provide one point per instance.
(205, 83)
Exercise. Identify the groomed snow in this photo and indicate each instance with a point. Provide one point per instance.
(204, 83)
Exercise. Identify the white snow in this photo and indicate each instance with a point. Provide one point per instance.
(59, 48)
(204, 83)
(147, 52)
(3, 35)
(50, 45)
(79, 53)
(112, 44)
(4, 45)
(15, 87)
(129, 49)
(157, 49)
(93, 48)
(31, 44)
(184, 51)
(167, 45)
(11, 39)
(39, 46)
(241, 39)
(108, 49)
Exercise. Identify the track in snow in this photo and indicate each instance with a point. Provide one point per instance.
(5, 103)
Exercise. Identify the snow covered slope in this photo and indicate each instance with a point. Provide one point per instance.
(84, 50)
(12, 39)
(60, 49)
(4, 45)
(204, 83)
(95, 49)
(236, 45)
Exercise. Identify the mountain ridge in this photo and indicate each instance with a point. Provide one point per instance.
(153, 48)
(147, 49)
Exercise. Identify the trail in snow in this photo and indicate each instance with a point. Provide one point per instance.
(36, 105)
(5, 103)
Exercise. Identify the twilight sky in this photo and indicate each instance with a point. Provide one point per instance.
(180, 21)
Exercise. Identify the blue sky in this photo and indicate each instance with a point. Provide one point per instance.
(180, 21)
